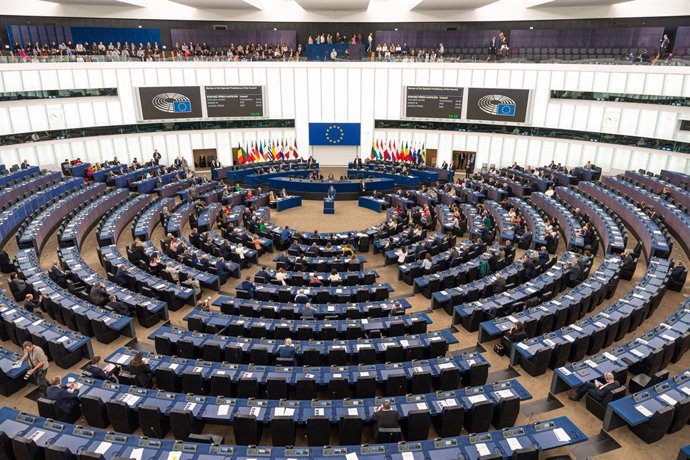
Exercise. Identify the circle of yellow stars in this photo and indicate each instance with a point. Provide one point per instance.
(328, 134)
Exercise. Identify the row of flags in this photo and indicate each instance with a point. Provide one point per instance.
(397, 151)
(254, 152)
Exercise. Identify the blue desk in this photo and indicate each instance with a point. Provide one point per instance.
(328, 206)
(102, 174)
(535, 222)
(618, 360)
(304, 329)
(502, 219)
(429, 345)
(675, 177)
(124, 180)
(77, 227)
(150, 184)
(65, 307)
(323, 294)
(638, 408)
(564, 308)
(26, 184)
(375, 204)
(41, 226)
(11, 376)
(398, 179)
(570, 226)
(657, 186)
(684, 453)
(540, 183)
(646, 230)
(179, 218)
(257, 179)
(257, 308)
(543, 435)
(21, 174)
(240, 172)
(145, 222)
(288, 202)
(468, 369)
(614, 237)
(471, 314)
(14, 216)
(208, 217)
(119, 217)
(571, 338)
(71, 260)
(79, 170)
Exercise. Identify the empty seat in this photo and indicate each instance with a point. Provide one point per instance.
(478, 418)
(350, 430)
(121, 416)
(153, 422)
(417, 425)
(318, 431)
(506, 412)
(283, 431)
(656, 426)
(183, 424)
(247, 430)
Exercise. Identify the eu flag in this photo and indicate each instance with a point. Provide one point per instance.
(334, 133)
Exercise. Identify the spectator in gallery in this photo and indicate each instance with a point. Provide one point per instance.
(25, 164)
(156, 157)
(334, 54)
(493, 48)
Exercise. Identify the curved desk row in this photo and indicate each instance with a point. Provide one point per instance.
(349, 189)
(74, 230)
(572, 341)
(423, 376)
(176, 341)
(502, 444)
(119, 217)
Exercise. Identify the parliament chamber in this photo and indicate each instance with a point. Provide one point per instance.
(376, 229)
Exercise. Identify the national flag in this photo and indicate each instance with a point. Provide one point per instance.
(407, 152)
(241, 155)
(295, 153)
(385, 150)
(423, 154)
(372, 155)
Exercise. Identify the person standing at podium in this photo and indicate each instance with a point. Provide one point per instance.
(331, 192)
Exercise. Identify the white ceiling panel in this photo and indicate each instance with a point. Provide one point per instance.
(561, 3)
(334, 5)
(221, 4)
(449, 5)
(104, 2)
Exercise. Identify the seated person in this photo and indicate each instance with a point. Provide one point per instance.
(248, 286)
(98, 372)
(515, 334)
(596, 389)
(66, 397)
(98, 295)
(334, 276)
(32, 305)
(18, 286)
(308, 311)
(119, 307)
(677, 271)
(385, 417)
(57, 274)
(287, 350)
(139, 367)
(314, 280)
(301, 297)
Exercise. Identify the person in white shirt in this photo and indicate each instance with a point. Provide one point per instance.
(402, 255)
(241, 250)
(334, 55)
(426, 263)
(281, 276)
(334, 276)
(549, 192)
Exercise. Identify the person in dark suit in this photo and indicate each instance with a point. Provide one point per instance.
(98, 295)
(141, 370)
(677, 271)
(121, 275)
(66, 397)
(514, 335)
(331, 192)
(118, 307)
(57, 274)
(98, 372)
(543, 256)
(18, 286)
(156, 157)
(287, 350)
(596, 389)
(138, 251)
(308, 311)
(33, 305)
(385, 417)
(222, 269)
(248, 286)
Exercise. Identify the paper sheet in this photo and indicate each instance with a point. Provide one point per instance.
(137, 453)
(223, 409)
(122, 359)
(408, 456)
(477, 398)
(422, 406)
(352, 411)
(103, 448)
(175, 455)
(643, 410)
(318, 411)
(668, 400)
(504, 393)
(561, 435)
(482, 449)
(514, 443)
(36, 435)
(351, 456)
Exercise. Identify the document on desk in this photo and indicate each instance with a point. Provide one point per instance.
(408, 456)
(482, 449)
(103, 448)
(174, 455)
(136, 454)
(318, 411)
(446, 366)
(477, 398)
(422, 406)
(561, 435)
(223, 409)
(254, 411)
(190, 406)
(36, 435)
(643, 410)
(351, 456)
(514, 443)
(122, 359)
(352, 411)
(504, 393)
(668, 400)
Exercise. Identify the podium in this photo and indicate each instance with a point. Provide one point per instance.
(328, 206)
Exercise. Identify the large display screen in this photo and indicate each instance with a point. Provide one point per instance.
(170, 102)
(495, 104)
(433, 102)
(234, 101)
